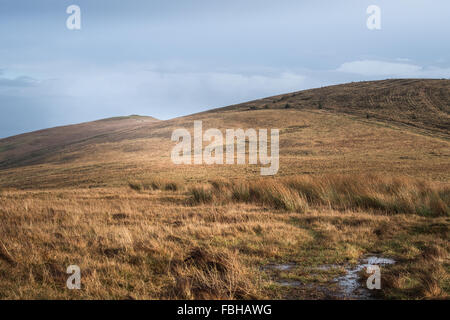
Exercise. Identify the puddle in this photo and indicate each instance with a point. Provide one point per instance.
(280, 267)
(289, 283)
(283, 267)
(348, 285)
(327, 267)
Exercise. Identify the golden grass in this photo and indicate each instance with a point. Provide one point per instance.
(341, 192)
(160, 244)
(207, 273)
(156, 183)
(270, 194)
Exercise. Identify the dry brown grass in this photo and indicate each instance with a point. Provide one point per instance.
(341, 192)
(266, 193)
(207, 273)
(156, 183)
(159, 244)
(128, 245)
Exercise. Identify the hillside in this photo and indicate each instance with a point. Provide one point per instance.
(383, 126)
(33, 147)
(419, 103)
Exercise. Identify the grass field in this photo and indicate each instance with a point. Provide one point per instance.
(364, 171)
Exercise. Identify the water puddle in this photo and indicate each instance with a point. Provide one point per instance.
(289, 283)
(327, 267)
(348, 286)
(280, 267)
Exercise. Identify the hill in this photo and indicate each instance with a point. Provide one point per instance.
(420, 103)
(33, 147)
(381, 126)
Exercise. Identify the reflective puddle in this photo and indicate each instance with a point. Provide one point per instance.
(280, 267)
(348, 286)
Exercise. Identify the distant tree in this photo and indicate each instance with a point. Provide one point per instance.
(287, 106)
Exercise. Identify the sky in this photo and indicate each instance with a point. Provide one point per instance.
(167, 58)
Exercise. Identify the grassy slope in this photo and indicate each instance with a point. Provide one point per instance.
(406, 134)
(418, 103)
(34, 147)
(163, 239)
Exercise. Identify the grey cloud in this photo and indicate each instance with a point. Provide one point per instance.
(400, 69)
(22, 81)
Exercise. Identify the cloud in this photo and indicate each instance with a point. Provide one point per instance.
(71, 92)
(392, 69)
(379, 68)
(173, 89)
(163, 91)
(22, 81)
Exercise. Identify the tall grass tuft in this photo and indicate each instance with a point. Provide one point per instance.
(208, 274)
(277, 195)
(340, 192)
(156, 184)
(200, 194)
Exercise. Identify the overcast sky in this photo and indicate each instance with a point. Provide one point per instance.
(167, 58)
